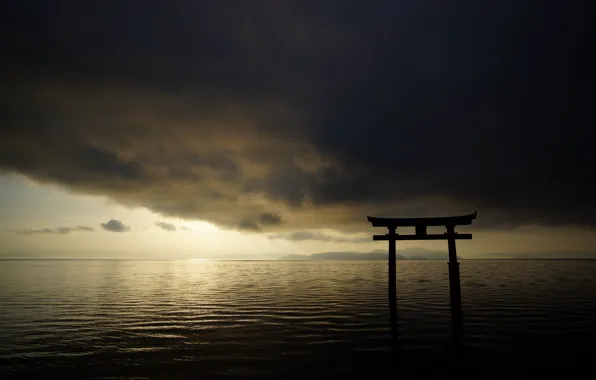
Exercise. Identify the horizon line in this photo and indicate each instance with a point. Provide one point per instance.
(312, 260)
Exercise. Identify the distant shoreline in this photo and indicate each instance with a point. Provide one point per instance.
(292, 260)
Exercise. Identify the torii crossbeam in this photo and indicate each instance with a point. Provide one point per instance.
(420, 225)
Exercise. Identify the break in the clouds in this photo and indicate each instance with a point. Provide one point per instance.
(283, 116)
(114, 225)
(319, 236)
(57, 230)
(166, 226)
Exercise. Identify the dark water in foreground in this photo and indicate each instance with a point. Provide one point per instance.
(233, 319)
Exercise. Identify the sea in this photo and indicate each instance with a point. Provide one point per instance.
(208, 319)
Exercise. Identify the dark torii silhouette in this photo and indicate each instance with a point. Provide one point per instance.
(420, 225)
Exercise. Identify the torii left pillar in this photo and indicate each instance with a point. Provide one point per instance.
(392, 285)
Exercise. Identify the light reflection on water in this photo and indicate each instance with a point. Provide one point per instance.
(197, 318)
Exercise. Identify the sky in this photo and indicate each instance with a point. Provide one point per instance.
(252, 129)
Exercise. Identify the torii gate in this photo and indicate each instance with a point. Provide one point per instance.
(420, 225)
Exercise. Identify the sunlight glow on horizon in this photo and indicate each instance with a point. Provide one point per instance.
(28, 204)
(197, 225)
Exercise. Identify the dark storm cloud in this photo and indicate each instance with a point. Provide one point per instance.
(166, 226)
(114, 225)
(268, 219)
(270, 115)
(248, 225)
(57, 230)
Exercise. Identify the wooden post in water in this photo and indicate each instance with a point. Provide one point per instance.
(421, 225)
(392, 284)
(454, 285)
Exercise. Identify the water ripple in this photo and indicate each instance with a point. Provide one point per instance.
(252, 319)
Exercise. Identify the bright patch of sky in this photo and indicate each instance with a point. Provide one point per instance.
(30, 206)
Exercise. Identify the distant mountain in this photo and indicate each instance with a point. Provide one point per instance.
(341, 256)
(377, 254)
(294, 257)
(350, 256)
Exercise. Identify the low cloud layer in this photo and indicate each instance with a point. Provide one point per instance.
(114, 225)
(166, 226)
(57, 230)
(279, 116)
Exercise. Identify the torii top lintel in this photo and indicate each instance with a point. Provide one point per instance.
(422, 222)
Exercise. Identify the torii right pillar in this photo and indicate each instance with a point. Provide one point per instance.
(454, 285)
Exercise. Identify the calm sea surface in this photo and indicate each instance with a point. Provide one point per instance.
(113, 319)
